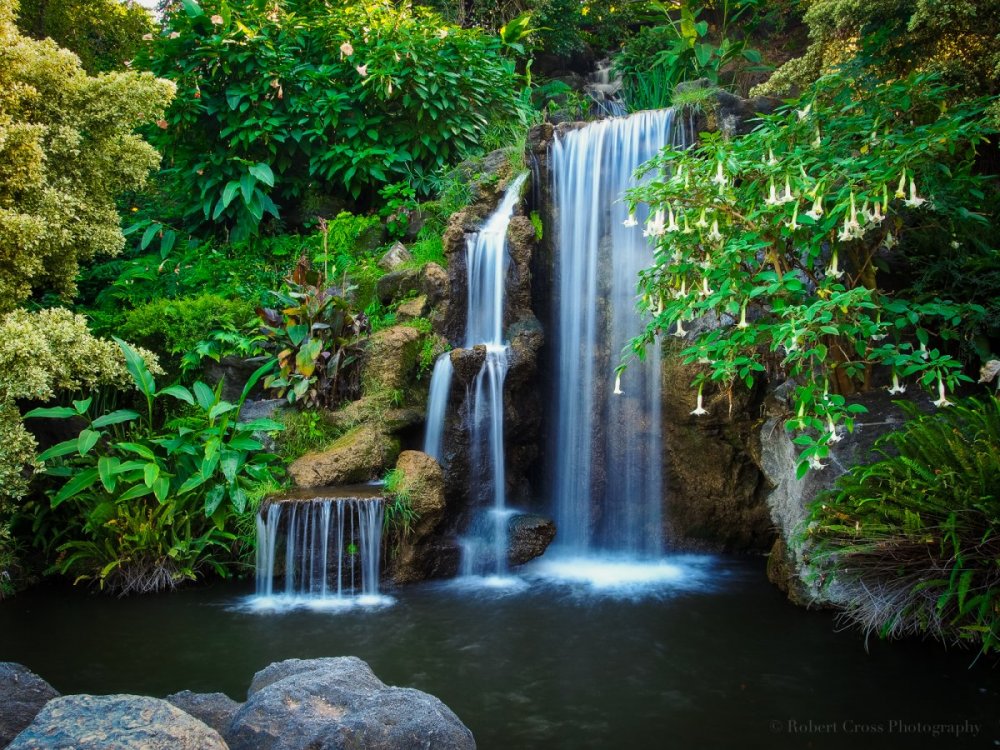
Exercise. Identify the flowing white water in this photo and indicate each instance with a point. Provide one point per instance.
(607, 483)
(331, 552)
(487, 262)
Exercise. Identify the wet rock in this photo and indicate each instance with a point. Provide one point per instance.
(340, 703)
(364, 453)
(422, 480)
(789, 497)
(115, 722)
(466, 363)
(434, 283)
(714, 492)
(529, 535)
(396, 256)
(22, 695)
(214, 709)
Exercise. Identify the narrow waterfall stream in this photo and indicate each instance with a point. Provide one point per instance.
(607, 458)
(322, 551)
(484, 545)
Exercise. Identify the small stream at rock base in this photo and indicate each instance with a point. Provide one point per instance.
(712, 656)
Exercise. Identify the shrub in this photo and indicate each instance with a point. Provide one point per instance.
(105, 34)
(176, 326)
(293, 96)
(149, 502)
(68, 149)
(780, 235)
(915, 536)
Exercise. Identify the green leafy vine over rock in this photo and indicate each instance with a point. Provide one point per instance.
(779, 238)
(915, 536)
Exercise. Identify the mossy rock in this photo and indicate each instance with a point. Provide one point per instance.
(364, 453)
(392, 359)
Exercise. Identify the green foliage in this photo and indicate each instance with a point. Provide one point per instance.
(683, 49)
(780, 235)
(278, 99)
(105, 34)
(956, 39)
(915, 536)
(314, 336)
(68, 149)
(305, 430)
(145, 505)
(399, 514)
(42, 354)
(177, 326)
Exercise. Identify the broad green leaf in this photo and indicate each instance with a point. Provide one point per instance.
(138, 448)
(247, 183)
(150, 474)
(161, 489)
(179, 392)
(192, 8)
(51, 412)
(214, 498)
(77, 484)
(139, 490)
(229, 192)
(116, 417)
(205, 395)
(60, 449)
(88, 439)
(263, 173)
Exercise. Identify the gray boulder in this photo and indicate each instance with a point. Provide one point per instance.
(22, 695)
(115, 722)
(339, 703)
(396, 256)
(529, 536)
(214, 709)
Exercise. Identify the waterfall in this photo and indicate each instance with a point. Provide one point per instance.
(487, 262)
(607, 484)
(331, 549)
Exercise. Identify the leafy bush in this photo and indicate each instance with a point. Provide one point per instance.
(956, 39)
(915, 536)
(105, 34)
(305, 430)
(274, 100)
(68, 149)
(780, 236)
(149, 503)
(314, 334)
(176, 326)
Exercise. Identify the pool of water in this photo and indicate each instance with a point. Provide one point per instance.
(696, 652)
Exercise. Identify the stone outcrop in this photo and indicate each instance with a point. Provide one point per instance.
(340, 703)
(214, 709)
(529, 535)
(364, 453)
(789, 497)
(714, 493)
(115, 722)
(22, 695)
(391, 358)
(422, 481)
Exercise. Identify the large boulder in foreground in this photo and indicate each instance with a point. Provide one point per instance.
(115, 722)
(339, 703)
(364, 453)
(22, 695)
(215, 709)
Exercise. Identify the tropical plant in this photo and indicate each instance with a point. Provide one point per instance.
(149, 503)
(659, 57)
(399, 514)
(780, 235)
(914, 537)
(68, 150)
(276, 100)
(314, 334)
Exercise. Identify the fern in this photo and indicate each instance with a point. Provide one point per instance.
(915, 536)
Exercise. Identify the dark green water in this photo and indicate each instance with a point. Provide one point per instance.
(717, 660)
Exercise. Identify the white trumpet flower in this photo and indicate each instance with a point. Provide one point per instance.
(914, 201)
(618, 384)
(699, 409)
(630, 221)
(897, 388)
(942, 399)
(715, 235)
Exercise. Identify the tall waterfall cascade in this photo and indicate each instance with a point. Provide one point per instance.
(487, 261)
(607, 484)
(324, 551)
